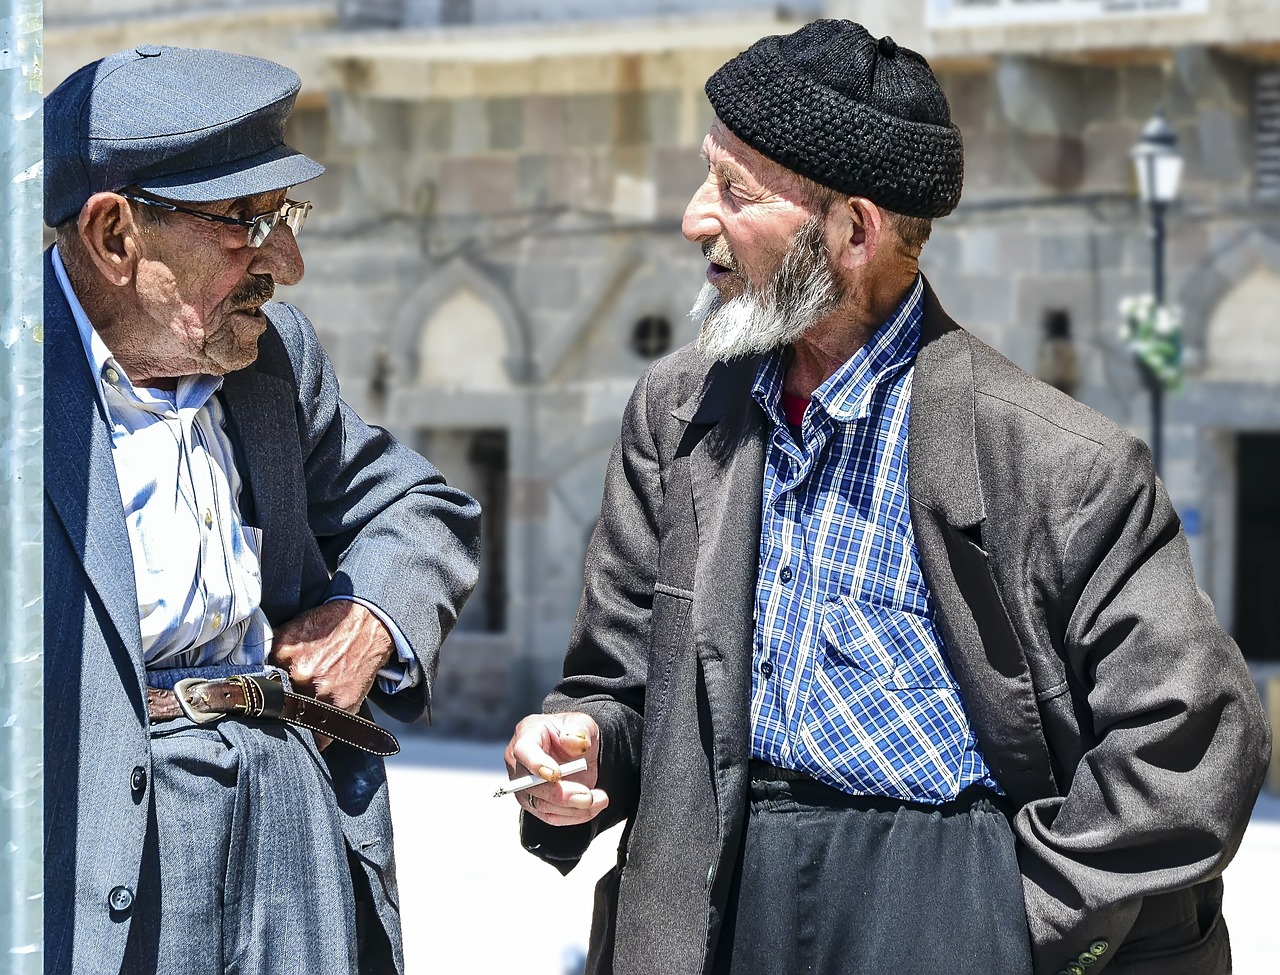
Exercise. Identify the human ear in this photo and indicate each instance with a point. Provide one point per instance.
(857, 229)
(109, 232)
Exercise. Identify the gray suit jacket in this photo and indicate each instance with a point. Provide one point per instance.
(343, 508)
(1110, 705)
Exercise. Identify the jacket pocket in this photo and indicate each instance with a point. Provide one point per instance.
(670, 621)
(1182, 949)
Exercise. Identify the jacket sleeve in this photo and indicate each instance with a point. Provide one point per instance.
(391, 530)
(607, 663)
(1178, 743)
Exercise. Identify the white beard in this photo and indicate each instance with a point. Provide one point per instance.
(801, 293)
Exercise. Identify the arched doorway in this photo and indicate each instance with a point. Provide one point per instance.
(1242, 352)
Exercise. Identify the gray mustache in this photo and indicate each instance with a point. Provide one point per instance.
(717, 252)
(258, 290)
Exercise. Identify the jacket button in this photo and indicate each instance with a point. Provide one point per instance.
(120, 899)
(1087, 959)
(1098, 948)
(1075, 968)
(138, 781)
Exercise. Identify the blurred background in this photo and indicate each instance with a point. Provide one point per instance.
(495, 257)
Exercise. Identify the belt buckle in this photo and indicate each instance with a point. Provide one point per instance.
(199, 717)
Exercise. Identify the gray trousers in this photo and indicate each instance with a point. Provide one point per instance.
(246, 868)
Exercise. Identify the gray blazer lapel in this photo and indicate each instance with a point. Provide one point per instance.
(270, 500)
(727, 474)
(948, 515)
(79, 474)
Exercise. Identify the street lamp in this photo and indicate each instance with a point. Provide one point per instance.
(1158, 165)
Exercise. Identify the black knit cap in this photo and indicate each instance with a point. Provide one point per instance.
(862, 116)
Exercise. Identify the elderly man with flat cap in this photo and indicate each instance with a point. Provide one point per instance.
(234, 560)
(889, 656)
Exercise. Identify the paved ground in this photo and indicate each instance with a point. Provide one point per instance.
(475, 903)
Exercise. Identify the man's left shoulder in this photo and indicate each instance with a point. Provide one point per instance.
(1006, 395)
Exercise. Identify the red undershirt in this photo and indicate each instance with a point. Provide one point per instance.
(793, 408)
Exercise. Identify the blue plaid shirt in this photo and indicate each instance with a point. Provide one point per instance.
(851, 684)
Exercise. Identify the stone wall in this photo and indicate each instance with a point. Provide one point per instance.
(501, 213)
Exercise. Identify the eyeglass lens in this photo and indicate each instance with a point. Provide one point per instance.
(295, 215)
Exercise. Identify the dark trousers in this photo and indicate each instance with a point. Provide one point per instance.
(833, 884)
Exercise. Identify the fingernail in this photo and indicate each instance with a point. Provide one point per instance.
(549, 773)
(581, 799)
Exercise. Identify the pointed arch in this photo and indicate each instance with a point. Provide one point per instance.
(460, 307)
(1254, 251)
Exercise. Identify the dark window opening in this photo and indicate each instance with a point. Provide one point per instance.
(1257, 610)
(1057, 363)
(476, 461)
(651, 337)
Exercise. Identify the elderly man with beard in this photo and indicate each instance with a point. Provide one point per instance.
(234, 560)
(889, 656)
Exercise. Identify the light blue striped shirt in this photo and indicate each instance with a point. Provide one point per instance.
(196, 562)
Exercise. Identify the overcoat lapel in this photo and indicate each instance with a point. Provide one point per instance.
(270, 500)
(79, 474)
(949, 517)
(726, 436)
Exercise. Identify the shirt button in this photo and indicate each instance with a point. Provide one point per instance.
(766, 670)
(785, 574)
(138, 781)
(208, 518)
(217, 621)
(112, 376)
(120, 899)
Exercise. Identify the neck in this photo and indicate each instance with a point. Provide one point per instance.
(829, 344)
(111, 316)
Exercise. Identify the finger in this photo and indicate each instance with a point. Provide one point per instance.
(575, 735)
(528, 752)
(563, 794)
(590, 806)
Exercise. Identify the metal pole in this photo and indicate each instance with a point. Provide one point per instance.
(21, 490)
(1154, 386)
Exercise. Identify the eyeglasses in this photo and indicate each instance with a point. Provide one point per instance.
(293, 213)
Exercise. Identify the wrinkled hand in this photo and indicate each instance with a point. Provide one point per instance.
(333, 652)
(540, 743)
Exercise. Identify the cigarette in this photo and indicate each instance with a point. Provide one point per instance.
(515, 785)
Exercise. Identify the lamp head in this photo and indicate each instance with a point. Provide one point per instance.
(1157, 161)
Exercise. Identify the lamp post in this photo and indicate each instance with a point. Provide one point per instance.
(1158, 166)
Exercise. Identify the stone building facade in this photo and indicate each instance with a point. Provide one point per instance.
(495, 253)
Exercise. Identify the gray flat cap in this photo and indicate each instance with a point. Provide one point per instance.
(186, 124)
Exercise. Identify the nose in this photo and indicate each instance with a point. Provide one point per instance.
(279, 256)
(701, 217)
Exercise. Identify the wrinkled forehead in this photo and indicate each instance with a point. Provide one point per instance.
(721, 147)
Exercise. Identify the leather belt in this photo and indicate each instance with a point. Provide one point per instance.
(764, 772)
(206, 701)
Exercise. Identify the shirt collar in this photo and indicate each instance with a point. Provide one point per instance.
(846, 394)
(113, 382)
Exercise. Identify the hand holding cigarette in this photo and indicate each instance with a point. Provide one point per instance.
(529, 781)
(550, 748)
